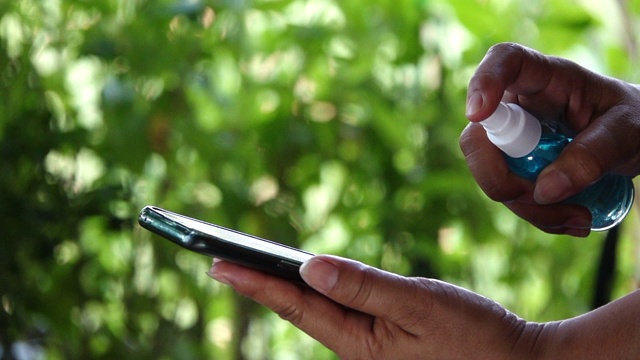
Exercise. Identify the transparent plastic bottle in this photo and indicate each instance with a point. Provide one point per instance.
(528, 149)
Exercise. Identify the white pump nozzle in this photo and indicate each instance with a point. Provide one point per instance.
(513, 130)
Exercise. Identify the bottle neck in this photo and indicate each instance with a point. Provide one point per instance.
(513, 130)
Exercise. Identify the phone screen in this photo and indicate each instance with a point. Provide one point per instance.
(231, 245)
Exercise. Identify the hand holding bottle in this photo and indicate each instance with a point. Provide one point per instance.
(603, 112)
(530, 147)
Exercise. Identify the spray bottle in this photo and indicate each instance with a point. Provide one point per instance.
(529, 149)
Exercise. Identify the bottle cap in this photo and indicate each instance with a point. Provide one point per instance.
(513, 130)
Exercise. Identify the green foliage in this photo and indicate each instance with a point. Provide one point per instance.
(332, 126)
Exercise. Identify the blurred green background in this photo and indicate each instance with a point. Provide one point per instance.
(324, 124)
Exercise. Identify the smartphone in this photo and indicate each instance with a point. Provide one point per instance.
(231, 245)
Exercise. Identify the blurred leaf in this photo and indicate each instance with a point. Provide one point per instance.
(322, 124)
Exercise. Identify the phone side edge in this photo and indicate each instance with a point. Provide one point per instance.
(154, 221)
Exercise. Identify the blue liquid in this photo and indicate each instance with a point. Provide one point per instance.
(608, 200)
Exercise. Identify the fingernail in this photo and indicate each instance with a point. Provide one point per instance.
(217, 276)
(552, 187)
(474, 103)
(319, 274)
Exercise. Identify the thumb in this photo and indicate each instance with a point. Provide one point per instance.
(363, 288)
(594, 152)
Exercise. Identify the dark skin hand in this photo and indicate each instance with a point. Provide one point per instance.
(604, 113)
(361, 312)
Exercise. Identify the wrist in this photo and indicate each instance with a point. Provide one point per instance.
(534, 340)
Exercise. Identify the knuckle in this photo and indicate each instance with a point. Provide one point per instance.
(290, 312)
(488, 169)
(468, 138)
(503, 188)
(587, 165)
(495, 190)
(362, 293)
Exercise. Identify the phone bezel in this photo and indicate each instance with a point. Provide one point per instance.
(224, 243)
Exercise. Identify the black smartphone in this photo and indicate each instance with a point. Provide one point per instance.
(231, 245)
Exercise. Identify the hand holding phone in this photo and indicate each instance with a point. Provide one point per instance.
(227, 244)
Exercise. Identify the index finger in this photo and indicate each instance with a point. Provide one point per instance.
(489, 168)
(308, 310)
(506, 67)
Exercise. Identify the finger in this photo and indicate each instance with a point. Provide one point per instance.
(311, 312)
(389, 297)
(489, 168)
(500, 184)
(606, 145)
(565, 219)
(506, 66)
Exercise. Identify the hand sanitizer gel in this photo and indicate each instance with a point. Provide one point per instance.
(529, 149)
